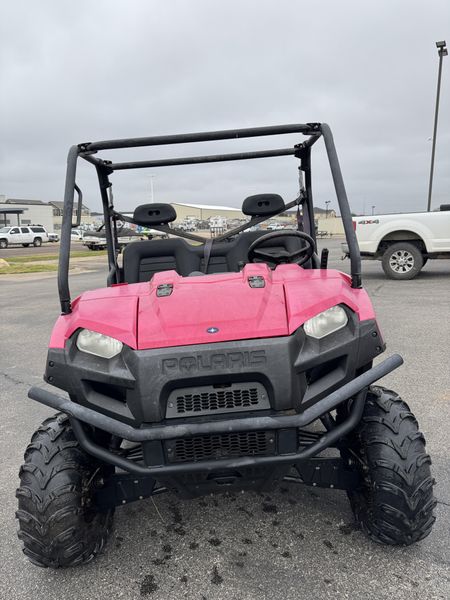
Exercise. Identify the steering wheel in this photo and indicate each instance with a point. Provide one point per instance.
(279, 257)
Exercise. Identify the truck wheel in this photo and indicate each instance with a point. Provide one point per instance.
(37, 242)
(58, 523)
(3, 244)
(394, 503)
(25, 245)
(402, 260)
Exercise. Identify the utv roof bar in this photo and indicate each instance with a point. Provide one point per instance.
(302, 151)
(206, 136)
(346, 215)
(193, 160)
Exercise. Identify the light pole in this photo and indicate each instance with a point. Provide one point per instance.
(151, 188)
(327, 202)
(442, 51)
(373, 209)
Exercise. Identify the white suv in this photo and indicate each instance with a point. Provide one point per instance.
(34, 234)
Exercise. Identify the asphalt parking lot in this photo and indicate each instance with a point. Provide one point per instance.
(45, 249)
(290, 543)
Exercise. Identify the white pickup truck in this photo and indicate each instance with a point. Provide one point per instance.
(96, 240)
(404, 242)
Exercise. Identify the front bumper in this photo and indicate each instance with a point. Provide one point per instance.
(161, 386)
(147, 435)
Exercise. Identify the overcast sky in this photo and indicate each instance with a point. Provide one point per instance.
(87, 70)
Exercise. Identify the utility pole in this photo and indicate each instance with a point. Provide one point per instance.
(151, 189)
(327, 202)
(442, 51)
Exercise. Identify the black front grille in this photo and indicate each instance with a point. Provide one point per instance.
(306, 438)
(217, 399)
(210, 401)
(204, 447)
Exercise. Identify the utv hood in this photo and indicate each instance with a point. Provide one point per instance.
(176, 311)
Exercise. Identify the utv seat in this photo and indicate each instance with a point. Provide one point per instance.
(141, 260)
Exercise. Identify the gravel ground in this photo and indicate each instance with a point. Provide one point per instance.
(294, 542)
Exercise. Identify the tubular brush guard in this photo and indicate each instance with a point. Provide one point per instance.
(356, 389)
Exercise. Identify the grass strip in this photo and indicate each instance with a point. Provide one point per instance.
(15, 269)
(41, 257)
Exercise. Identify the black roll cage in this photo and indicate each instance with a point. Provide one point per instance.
(104, 168)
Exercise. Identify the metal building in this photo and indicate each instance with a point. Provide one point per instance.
(28, 212)
(205, 211)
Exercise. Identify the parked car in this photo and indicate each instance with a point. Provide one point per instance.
(404, 242)
(34, 234)
(77, 234)
(53, 237)
(154, 233)
(188, 224)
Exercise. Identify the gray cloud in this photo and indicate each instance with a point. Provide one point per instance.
(72, 72)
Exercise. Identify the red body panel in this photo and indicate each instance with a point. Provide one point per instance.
(134, 314)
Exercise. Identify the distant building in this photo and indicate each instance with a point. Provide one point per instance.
(37, 212)
(323, 212)
(28, 212)
(27, 202)
(49, 214)
(330, 225)
(58, 208)
(10, 215)
(205, 211)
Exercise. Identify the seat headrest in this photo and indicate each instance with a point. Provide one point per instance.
(154, 214)
(262, 204)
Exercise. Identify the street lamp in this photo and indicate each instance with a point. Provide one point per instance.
(373, 209)
(327, 202)
(442, 51)
(151, 188)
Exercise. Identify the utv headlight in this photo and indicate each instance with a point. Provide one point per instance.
(98, 344)
(326, 322)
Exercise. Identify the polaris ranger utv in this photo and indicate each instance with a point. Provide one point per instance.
(228, 364)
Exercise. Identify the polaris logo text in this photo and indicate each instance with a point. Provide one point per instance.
(212, 362)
